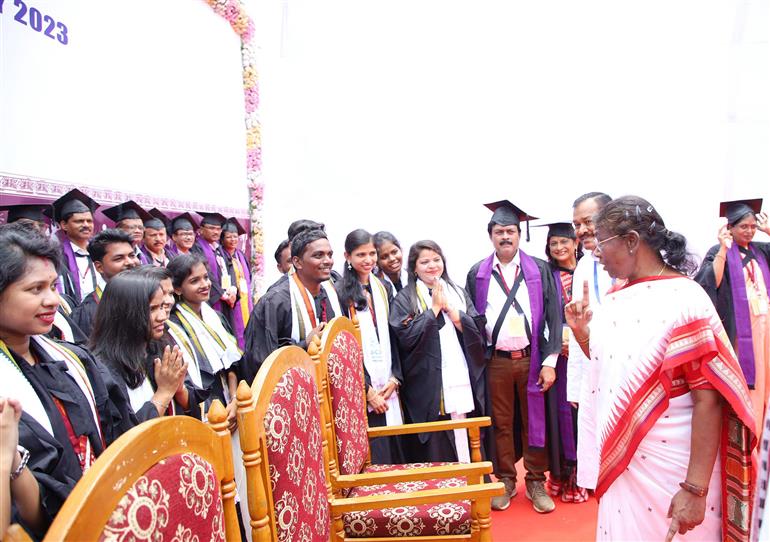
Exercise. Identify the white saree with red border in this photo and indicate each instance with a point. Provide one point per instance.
(653, 341)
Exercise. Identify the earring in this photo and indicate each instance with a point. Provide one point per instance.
(350, 267)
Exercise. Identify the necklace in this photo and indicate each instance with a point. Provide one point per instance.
(661, 270)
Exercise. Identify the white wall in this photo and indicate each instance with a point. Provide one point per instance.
(147, 96)
(409, 115)
(403, 115)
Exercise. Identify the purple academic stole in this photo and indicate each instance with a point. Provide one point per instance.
(239, 326)
(564, 408)
(743, 337)
(211, 259)
(535, 399)
(72, 265)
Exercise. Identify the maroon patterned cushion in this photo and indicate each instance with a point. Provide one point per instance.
(425, 520)
(178, 499)
(346, 383)
(293, 429)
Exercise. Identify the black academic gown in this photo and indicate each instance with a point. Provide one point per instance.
(552, 318)
(722, 297)
(52, 460)
(417, 339)
(384, 450)
(269, 325)
(84, 315)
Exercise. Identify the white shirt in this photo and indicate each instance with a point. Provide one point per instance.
(85, 270)
(496, 298)
(587, 268)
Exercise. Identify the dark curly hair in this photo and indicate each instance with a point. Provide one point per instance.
(632, 213)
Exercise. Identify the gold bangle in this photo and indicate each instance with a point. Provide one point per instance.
(695, 490)
(584, 341)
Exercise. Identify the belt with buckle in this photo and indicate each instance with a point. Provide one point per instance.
(514, 354)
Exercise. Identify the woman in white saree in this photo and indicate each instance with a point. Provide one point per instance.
(666, 418)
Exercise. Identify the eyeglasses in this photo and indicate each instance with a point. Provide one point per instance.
(600, 243)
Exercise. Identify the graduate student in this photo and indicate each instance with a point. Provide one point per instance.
(296, 309)
(389, 260)
(183, 229)
(33, 217)
(562, 253)
(736, 275)
(364, 296)
(155, 238)
(516, 294)
(72, 410)
(215, 349)
(442, 355)
(238, 278)
(130, 319)
(207, 245)
(74, 213)
(111, 251)
(129, 216)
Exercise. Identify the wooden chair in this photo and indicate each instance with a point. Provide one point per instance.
(340, 371)
(168, 478)
(286, 455)
(16, 533)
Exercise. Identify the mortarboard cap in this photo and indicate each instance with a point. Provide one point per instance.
(185, 221)
(559, 229)
(70, 203)
(734, 211)
(232, 225)
(29, 211)
(125, 211)
(215, 219)
(505, 213)
(157, 220)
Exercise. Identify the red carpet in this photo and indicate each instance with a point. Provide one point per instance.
(573, 522)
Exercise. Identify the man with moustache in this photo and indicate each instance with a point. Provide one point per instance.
(130, 217)
(588, 269)
(112, 252)
(74, 213)
(517, 296)
(207, 245)
(295, 310)
(155, 237)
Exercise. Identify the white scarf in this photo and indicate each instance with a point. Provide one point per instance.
(61, 323)
(140, 395)
(74, 368)
(301, 328)
(14, 384)
(219, 358)
(188, 352)
(377, 353)
(455, 380)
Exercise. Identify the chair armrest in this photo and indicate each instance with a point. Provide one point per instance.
(429, 427)
(448, 494)
(455, 470)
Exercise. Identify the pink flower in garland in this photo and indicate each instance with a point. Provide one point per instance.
(232, 11)
(254, 159)
(252, 99)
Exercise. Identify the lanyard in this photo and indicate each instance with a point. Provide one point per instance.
(505, 284)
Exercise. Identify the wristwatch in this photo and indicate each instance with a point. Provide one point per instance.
(23, 463)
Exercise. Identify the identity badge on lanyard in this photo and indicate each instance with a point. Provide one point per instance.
(516, 326)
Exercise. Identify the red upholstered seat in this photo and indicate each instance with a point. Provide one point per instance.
(178, 499)
(346, 384)
(293, 434)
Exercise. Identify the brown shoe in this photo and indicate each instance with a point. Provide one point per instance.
(501, 502)
(541, 501)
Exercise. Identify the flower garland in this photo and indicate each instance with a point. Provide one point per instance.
(235, 13)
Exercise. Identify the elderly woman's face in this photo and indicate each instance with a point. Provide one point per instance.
(614, 254)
